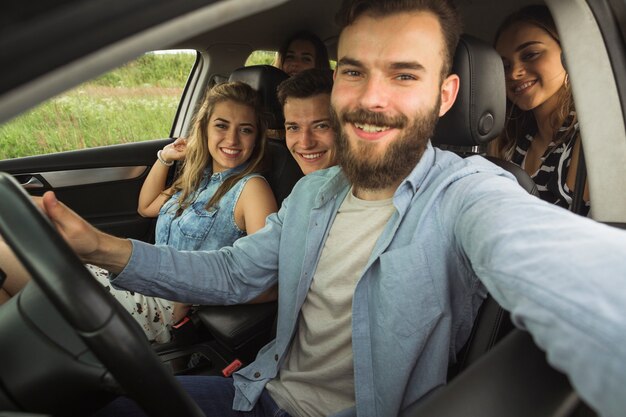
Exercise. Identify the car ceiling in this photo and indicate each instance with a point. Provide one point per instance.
(55, 48)
(60, 43)
(318, 17)
(57, 33)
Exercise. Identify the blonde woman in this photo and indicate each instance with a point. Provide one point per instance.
(217, 198)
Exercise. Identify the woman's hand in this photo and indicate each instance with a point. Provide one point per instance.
(175, 151)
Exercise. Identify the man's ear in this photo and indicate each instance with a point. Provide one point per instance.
(449, 90)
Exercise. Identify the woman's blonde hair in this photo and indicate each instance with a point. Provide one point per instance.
(520, 122)
(198, 157)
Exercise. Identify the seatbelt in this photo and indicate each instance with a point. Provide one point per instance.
(581, 179)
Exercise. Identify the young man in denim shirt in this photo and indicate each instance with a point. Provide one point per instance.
(383, 263)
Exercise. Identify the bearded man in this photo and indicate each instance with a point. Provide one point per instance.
(382, 263)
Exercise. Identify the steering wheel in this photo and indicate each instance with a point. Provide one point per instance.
(102, 323)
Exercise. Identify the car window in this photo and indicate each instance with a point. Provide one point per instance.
(261, 58)
(135, 102)
(268, 58)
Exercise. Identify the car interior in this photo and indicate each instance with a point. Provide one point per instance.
(474, 120)
(65, 327)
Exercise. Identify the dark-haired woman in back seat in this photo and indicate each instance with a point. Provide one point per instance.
(302, 50)
(541, 133)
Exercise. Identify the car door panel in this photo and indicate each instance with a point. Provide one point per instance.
(101, 184)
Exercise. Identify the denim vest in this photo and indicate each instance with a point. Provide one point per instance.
(198, 228)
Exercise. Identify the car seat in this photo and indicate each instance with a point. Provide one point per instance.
(476, 118)
(265, 79)
(478, 114)
(282, 172)
(243, 329)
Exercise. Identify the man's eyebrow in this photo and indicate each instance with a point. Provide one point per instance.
(325, 119)
(349, 61)
(409, 65)
(527, 44)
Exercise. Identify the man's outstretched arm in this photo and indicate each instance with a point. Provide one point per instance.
(229, 276)
(562, 277)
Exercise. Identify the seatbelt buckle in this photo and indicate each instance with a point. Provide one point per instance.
(232, 368)
(184, 332)
(181, 323)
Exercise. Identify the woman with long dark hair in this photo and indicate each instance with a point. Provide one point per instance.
(541, 133)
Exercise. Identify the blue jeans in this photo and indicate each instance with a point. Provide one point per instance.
(213, 394)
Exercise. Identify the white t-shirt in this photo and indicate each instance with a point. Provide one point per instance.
(317, 377)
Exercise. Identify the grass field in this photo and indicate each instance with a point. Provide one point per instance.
(135, 102)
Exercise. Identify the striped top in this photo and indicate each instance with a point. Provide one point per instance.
(552, 174)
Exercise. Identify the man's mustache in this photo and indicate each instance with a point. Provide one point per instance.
(362, 116)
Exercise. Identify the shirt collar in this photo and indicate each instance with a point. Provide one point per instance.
(333, 186)
(221, 176)
(411, 184)
(404, 193)
(419, 173)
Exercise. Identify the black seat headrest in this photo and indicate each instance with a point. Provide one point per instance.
(264, 79)
(282, 172)
(478, 114)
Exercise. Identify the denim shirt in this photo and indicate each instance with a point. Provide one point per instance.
(461, 226)
(198, 228)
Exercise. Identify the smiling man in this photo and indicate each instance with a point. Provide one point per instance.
(309, 134)
(382, 264)
(388, 97)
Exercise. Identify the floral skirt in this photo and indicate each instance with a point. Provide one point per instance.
(154, 315)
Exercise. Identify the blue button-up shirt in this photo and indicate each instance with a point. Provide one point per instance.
(461, 226)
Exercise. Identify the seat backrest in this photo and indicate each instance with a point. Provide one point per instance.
(282, 171)
(264, 79)
(479, 112)
(244, 329)
(476, 118)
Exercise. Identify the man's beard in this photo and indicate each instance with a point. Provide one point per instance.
(365, 169)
